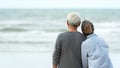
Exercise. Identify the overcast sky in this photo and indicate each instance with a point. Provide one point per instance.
(59, 3)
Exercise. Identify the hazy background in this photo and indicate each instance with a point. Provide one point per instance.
(60, 4)
(28, 28)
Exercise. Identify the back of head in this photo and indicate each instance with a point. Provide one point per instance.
(73, 19)
(87, 27)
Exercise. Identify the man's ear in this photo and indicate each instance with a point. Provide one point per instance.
(79, 24)
(67, 22)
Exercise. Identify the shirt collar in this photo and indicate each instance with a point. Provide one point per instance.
(91, 35)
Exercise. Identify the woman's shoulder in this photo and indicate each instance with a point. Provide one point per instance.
(90, 42)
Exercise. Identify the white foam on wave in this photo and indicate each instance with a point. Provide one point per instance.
(46, 33)
(27, 41)
(110, 32)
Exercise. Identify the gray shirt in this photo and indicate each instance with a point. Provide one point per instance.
(95, 53)
(67, 53)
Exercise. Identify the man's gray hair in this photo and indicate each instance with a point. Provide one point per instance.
(73, 18)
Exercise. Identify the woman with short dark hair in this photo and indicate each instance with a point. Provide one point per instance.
(94, 49)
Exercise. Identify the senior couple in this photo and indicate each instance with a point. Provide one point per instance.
(80, 50)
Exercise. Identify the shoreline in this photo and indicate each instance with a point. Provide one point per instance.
(38, 59)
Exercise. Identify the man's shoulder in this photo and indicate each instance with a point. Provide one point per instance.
(68, 33)
(62, 34)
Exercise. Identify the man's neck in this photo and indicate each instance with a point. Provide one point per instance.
(72, 29)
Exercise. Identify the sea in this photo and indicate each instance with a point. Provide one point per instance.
(36, 30)
(28, 36)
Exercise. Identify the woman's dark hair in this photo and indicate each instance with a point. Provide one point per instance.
(87, 27)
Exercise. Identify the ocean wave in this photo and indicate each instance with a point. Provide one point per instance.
(20, 29)
(54, 30)
(25, 42)
(8, 29)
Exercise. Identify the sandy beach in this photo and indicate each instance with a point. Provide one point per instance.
(25, 60)
(37, 60)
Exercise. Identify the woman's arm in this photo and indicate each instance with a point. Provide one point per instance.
(84, 56)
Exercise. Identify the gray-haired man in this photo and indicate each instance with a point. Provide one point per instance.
(67, 53)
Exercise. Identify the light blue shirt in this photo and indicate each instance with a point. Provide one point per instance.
(95, 53)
